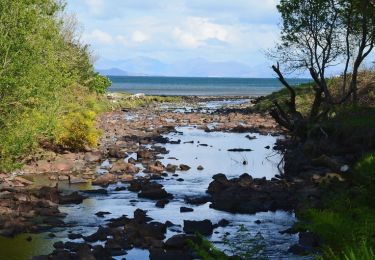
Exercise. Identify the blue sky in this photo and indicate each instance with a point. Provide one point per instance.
(178, 30)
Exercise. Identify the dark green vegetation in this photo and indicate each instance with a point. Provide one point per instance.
(240, 245)
(336, 112)
(346, 221)
(346, 224)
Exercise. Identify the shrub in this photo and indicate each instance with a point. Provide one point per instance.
(78, 131)
(99, 83)
(48, 86)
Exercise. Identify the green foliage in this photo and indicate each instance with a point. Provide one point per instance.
(76, 125)
(206, 250)
(361, 252)
(347, 223)
(42, 64)
(240, 245)
(352, 124)
(304, 99)
(366, 169)
(99, 83)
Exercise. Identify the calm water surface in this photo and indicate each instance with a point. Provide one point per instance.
(198, 86)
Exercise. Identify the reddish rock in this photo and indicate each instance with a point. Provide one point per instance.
(63, 166)
(156, 167)
(92, 157)
(126, 177)
(145, 154)
(124, 167)
(105, 179)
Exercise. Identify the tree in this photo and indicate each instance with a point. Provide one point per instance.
(317, 35)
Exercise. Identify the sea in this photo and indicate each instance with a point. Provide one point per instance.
(194, 86)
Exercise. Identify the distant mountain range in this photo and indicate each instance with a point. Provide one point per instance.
(143, 66)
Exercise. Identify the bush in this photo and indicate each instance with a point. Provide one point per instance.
(99, 83)
(48, 85)
(79, 131)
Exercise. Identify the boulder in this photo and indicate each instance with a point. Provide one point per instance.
(171, 168)
(248, 195)
(100, 235)
(161, 203)
(186, 209)
(126, 177)
(197, 200)
(145, 154)
(116, 151)
(105, 180)
(203, 227)
(124, 167)
(184, 167)
(156, 167)
(179, 241)
(73, 198)
(153, 193)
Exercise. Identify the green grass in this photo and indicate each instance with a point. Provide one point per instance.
(346, 225)
(126, 101)
(304, 97)
(352, 125)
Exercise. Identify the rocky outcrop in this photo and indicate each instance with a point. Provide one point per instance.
(248, 195)
(29, 210)
(149, 190)
(203, 227)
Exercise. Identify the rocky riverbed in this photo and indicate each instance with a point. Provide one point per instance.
(159, 175)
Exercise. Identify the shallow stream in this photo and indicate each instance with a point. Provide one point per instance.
(208, 149)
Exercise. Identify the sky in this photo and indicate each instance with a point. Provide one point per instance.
(173, 31)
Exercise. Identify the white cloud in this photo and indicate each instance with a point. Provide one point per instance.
(99, 36)
(223, 30)
(139, 37)
(197, 30)
(136, 38)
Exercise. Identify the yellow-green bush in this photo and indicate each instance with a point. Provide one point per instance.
(78, 131)
(76, 118)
